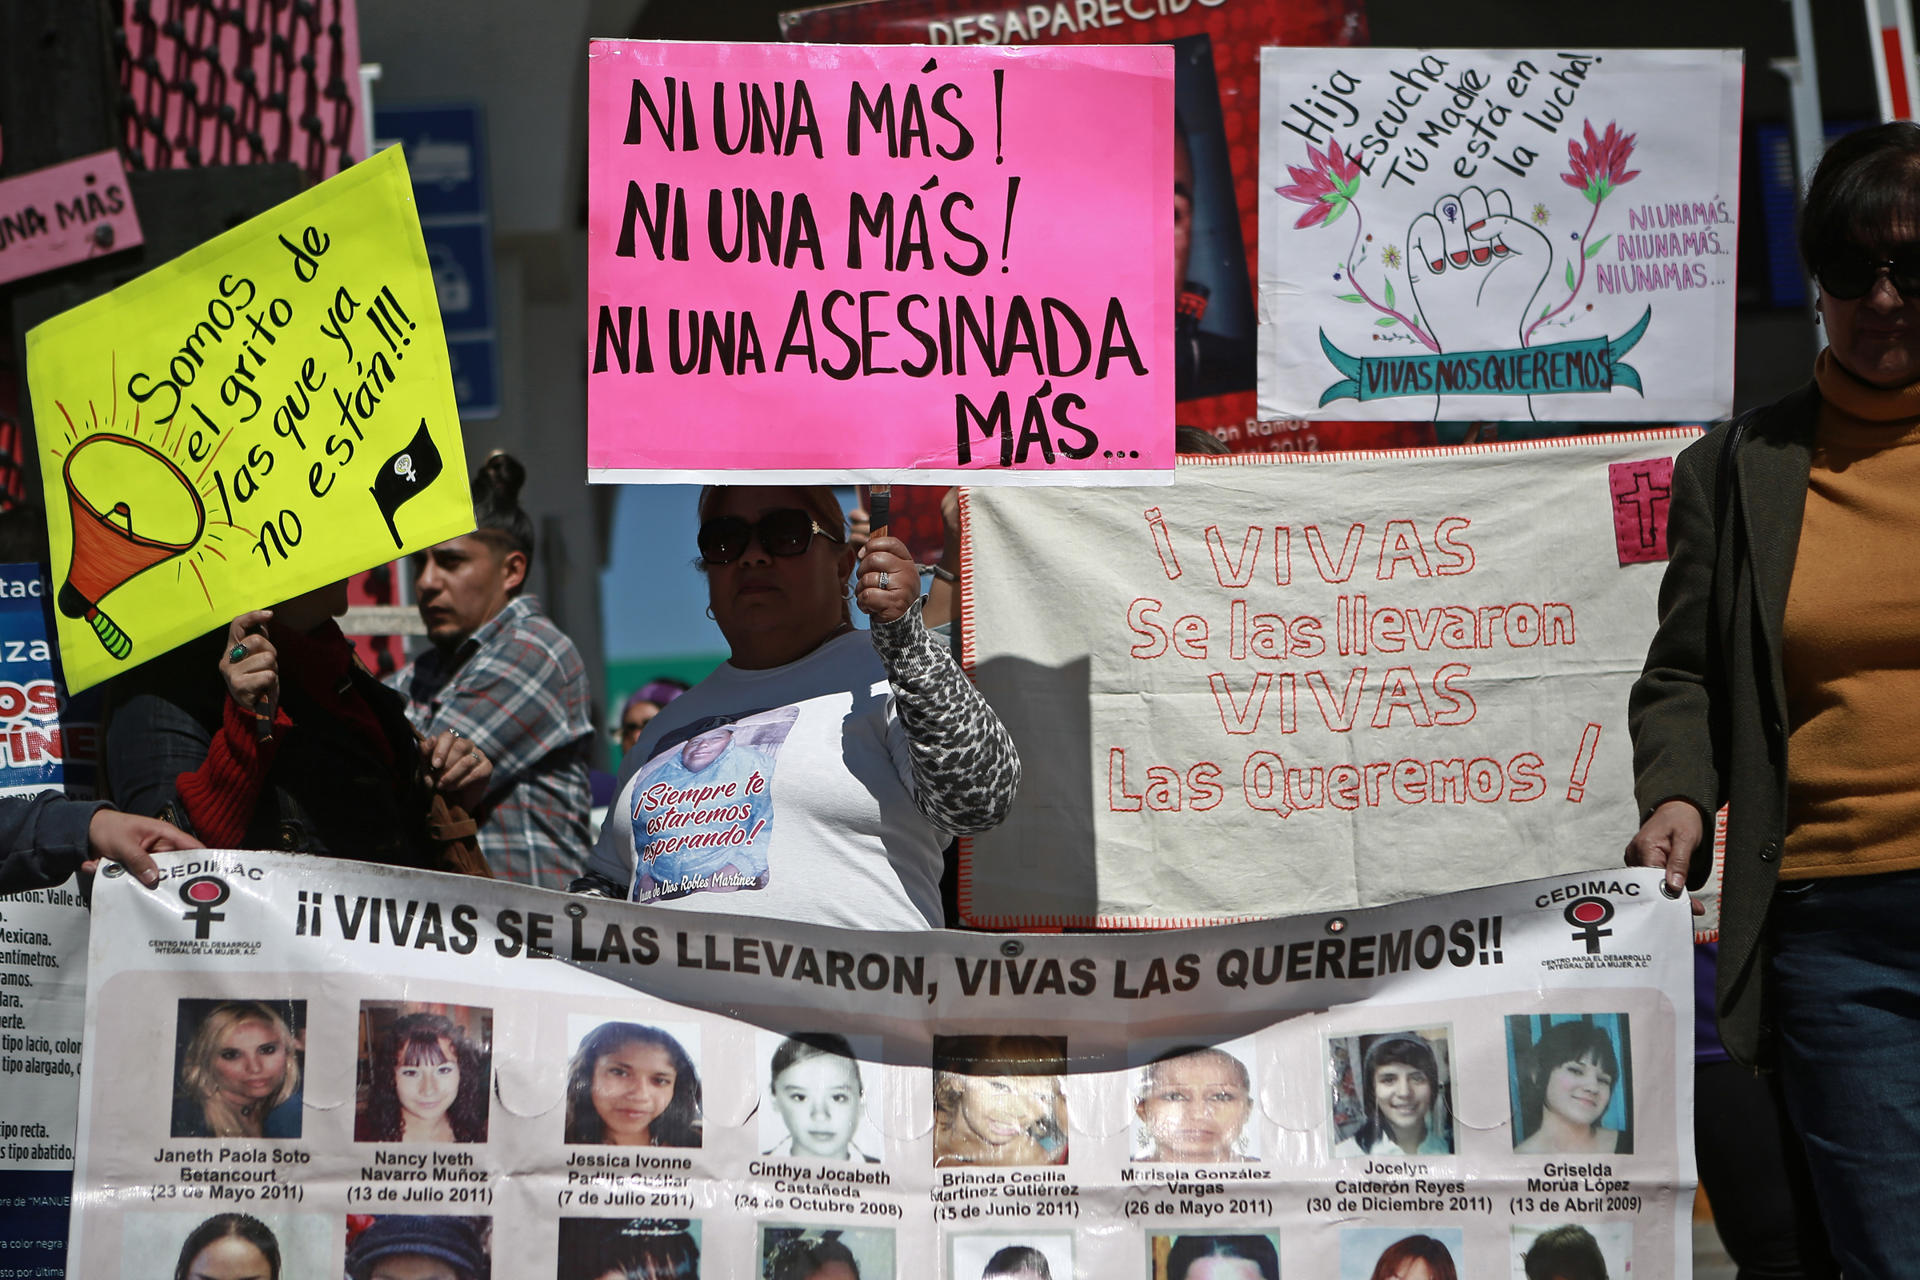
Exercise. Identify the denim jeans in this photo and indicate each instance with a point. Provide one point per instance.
(1845, 985)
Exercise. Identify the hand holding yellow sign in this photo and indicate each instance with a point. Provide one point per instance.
(246, 423)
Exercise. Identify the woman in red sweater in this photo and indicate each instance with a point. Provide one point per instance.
(272, 735)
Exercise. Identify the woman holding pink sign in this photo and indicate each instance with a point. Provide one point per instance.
(850, 760)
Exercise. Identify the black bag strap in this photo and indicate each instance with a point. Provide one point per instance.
(1723, 478)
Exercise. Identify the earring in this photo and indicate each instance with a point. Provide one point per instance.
(710, 616)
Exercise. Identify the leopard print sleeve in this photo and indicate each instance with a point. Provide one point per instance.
(965, 769)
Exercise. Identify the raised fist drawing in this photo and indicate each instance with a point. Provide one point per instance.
(1476, 271)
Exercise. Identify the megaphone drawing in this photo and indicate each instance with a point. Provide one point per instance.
(107, 477)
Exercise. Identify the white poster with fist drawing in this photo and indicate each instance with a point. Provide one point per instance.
(1498, 234)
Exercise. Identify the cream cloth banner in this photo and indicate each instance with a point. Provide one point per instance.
(1313, 682)
(473, 1066)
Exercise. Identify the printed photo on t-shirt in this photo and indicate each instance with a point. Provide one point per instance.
(595, 1248)
(702, 807)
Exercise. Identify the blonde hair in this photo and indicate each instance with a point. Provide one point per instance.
(199, 1080)
(958, 1059)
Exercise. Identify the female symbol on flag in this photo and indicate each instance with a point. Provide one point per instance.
(405, 475)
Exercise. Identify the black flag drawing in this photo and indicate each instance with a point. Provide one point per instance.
(405, 476)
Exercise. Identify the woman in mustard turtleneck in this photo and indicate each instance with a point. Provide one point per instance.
(1784, 681)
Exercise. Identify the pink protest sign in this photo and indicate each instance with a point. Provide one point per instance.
(811, 263)
(65, 213)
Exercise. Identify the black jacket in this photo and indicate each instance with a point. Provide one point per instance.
(1709, 713)
(329, 791)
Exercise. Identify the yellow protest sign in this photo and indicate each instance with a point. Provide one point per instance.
(261, 416)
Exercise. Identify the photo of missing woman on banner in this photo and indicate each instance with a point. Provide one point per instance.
(633, 1084)
(216, 1246)
(425, 1072)
(629, 1249)
(1235, 1256)
(237, 1069)
(1585, 1251)
(405, 1246)
(1401, 1253)
(814, 1096)
(736, 757)
(825, 1253)
(1569, 1083)
(1391, 1093)
(1044, 1256)
(1195, 1104)
(1214, 319)
(997, 1100)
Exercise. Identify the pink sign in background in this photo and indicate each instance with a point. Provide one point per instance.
(1031, 204)
(65, 213)
(1640, 491)
(242, 82)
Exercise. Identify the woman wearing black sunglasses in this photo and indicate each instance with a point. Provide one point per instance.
(821, 772)
(1784, 681)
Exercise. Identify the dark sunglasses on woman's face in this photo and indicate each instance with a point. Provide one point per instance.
(1852, 273)
(784, 531)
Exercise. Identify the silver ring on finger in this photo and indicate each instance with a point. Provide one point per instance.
(885, 580)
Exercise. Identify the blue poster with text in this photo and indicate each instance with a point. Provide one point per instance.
(45, 742)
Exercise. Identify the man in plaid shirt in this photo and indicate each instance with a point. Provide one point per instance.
(503, 675)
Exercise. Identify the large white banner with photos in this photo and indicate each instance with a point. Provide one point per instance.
(1346, 677)
(1498, 233)
(376, 1065)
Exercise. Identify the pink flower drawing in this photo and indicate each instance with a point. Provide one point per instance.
(1327, 188)
(1601, 165)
